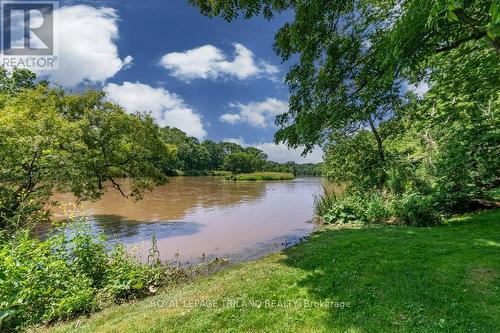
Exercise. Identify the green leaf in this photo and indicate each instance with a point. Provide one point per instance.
(138, 285)
(490, 34)
(452, 16)
(493, 10)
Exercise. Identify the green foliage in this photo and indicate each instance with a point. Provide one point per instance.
(82, 144)
(20, 79)
(354, 161)
(38, 285)
(429, 27)
(240, 162)
(351, 207)
(261, 176)
(493, 194)
(70, 274)
(221, 173)
(200, 159)
(305, 169)
(412, 209)
(442, 152)
(416, 210)
(230, 10)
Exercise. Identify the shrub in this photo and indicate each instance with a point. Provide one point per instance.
(373, 207)
(196, 173)
(376, 209)
(335, 209)
(38, 283)
(71, 273)
(416, 210)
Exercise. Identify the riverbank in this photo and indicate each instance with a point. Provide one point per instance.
(259, 176)
(380, 279)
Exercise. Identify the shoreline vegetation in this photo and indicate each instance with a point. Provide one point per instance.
(443, 278)
(260, 176)
(74, 273)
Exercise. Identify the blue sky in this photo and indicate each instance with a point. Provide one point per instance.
(213, 79)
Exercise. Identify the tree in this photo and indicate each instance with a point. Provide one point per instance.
(351, 54)
(239, 162)
(259, 158)
(423, 28)
(80, 144)
(354, 59)
(230, 147)
(339, 85)
(456, 124)
(19, 79)
(216, 154)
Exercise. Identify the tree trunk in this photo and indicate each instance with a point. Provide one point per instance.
(381, 154)
(380, 146)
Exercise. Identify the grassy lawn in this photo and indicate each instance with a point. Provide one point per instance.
(396, 279)
(262, 176)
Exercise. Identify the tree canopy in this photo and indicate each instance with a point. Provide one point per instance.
(353, 71)
(51, 141)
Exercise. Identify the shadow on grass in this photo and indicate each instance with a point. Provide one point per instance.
(420, 280)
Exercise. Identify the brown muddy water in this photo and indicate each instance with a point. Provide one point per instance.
(200, 218)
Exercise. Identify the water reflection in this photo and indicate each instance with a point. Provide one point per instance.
(124, 231)
(195, 217)
(171, 202)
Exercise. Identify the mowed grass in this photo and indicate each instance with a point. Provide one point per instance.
(396, 279)
(262, 176)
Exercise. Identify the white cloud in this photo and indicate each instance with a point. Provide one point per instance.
(281, 153)
(256, 114)
(420, 89)
(239, 141)
(167, 108)
(209, 62)
(87, 49)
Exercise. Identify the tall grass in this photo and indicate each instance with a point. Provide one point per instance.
(219, 173)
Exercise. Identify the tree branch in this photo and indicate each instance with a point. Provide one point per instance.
(458, 42)
(118, 187)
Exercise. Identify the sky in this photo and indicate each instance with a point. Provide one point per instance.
(212, 79)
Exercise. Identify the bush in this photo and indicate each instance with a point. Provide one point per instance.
(38, 283)
(196, 173)
(71, 273)
(376, 209)
(352, 207)
(335, 209)
(416, 210)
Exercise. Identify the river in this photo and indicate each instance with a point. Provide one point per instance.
(199, 218)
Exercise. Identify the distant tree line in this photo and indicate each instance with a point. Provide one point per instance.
(192, 157)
